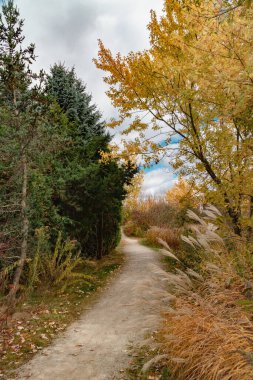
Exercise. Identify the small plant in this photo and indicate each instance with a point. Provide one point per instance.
(57, 267)
(6, 275)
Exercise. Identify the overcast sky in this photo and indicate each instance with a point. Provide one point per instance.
(68, 30)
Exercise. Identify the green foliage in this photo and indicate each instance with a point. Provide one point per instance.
(92, 198)
(57, 268)
(22, 113)
(70, 93)
(6, 274)
(15, 60)
(51, 173)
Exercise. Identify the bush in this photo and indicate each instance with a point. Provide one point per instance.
(153, 212)
(55, 268)
(131, 229)
(170, 235)
(160, 213)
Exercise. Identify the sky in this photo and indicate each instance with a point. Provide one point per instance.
(67, 31)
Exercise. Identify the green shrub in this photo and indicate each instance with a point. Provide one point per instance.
(6, 275)
(55, 268)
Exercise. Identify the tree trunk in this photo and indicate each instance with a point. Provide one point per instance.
(235, 217)
(250, 228)
(233, 213)
(24, 233)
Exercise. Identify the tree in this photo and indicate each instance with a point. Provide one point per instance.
(70, 93)
(182, 195)
(133, 194)
(21, 114)
(51, 170)
(93, 192)
(30, 138)
(97, 217)
(195, 82)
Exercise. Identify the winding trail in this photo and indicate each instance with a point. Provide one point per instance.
(96, 347)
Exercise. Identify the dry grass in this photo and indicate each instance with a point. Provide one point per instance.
(170, 235)
(212, 334)
(131, 229)
(208, 334)
(152, 212)
(208, 345)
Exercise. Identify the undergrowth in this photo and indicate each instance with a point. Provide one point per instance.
(44, 314)
(157, 371)
(208, 329)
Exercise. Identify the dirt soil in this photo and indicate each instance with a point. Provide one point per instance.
(96, 346)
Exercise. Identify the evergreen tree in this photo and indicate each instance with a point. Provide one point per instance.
(70, 93)
(92, 200)
(20, 116)
(27, 131)
(51, 173)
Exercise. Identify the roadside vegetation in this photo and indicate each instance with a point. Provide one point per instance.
(60, 201)
(193, 85)
(62, 188)
(208, 330)
(46, 312)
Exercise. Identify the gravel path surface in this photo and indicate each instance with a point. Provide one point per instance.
(96, 346)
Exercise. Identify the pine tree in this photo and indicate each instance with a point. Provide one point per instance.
(70, 93)
(27, 132)
(92, 200)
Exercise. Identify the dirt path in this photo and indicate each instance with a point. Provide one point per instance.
(96, 346)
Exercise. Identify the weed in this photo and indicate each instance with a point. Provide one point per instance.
(57, 268)
(48, 312)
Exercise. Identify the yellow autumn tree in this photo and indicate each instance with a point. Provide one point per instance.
(182, 194)
(195, 82)
(134, 189)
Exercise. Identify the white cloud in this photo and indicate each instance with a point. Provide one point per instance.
(67, 31)
(157, 182)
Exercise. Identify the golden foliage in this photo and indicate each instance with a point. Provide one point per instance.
(196, 82)
(132, 201)
(182, 194)
(170, 235)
